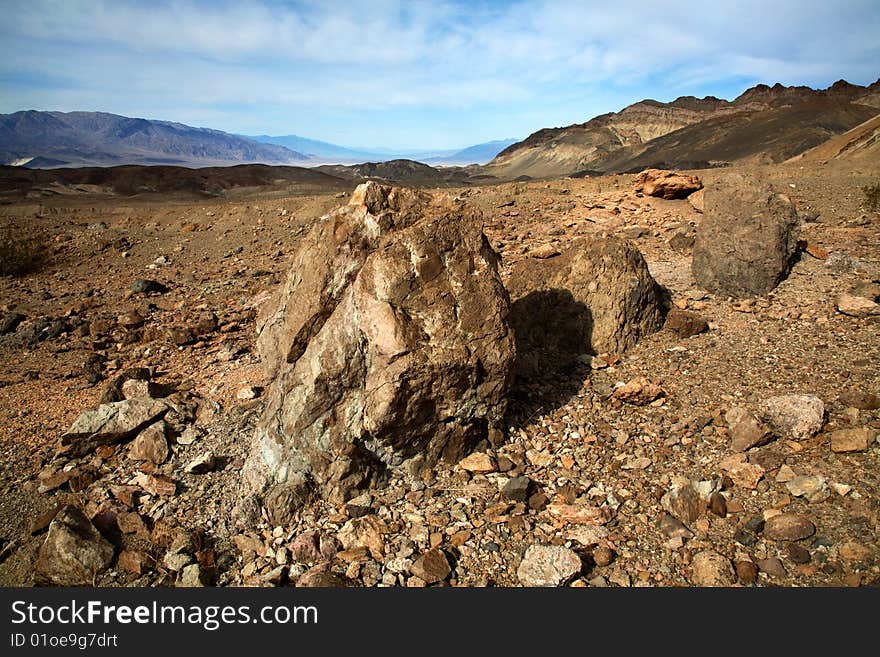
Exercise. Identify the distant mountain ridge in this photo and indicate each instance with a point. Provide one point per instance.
(763, 123)
(54, 139)
(326, 153)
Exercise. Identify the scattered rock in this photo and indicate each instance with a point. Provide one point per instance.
(746, 572)
(798, 417)
(147, 286)
(367, 531)
(666, 184)
(788, 527)
(718, 505)
(852, 440)
(674, 528)
(743, 474)
(603, 555)
(772, 566)
(747, 240)
(854, 306)
(151, 444)
(191, 576)
(517, 489)
(683, 502)
(579, 514)
(548, 565)
(478, 462)
(431, 567)
(74, 552)
(111, 423)
(638, 391)
(812, 487)
(851, 551)
(746, 431)
(697, 200)
(10, 321)
(134, 562)
(246, 393)
(866, 401)
(685, 324)
(201, 464)
(157, 484)
(797, 553)
(709, 568)
(544, 251)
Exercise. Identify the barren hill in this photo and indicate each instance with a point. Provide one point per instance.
(766, 123)
(52, 139)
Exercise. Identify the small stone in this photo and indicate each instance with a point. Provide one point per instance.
(718, 505)
(130, 319)
(134, 562)
(432, 566)
(797, 553)
(812, 487)
(74, 552)
(841, 489)
(202, 464)
(851, 440)
(755, 524)
(478, 462)
(140, 389)
(772, 566)
(785, 474)
(855, 552)
(305, 547)
(797, 417)
(191, 577)
(603, 555)
(789, 527)
(865, 401)
(683, 502)
(672, 527)
(246, 393)
(579, 513)
(548, 565)
(746, 475)
(746, 572)
(816, 251)
(709, 568)
(368, 531)
(157, 484)
(745, 538)
(587, 535)
(638, 391)
(685, 324)
(538, 501)
(150, 444)
(637, 464)
(517, 489)
(749, 432)
(147, 286)
(856, 306)
(544, 251)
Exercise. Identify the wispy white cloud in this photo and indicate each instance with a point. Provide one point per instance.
(511, 60)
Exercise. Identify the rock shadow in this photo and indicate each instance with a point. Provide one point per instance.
(553, 334)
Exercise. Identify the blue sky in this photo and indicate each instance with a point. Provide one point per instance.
(436, 74)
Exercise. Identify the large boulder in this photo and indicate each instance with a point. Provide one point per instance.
(388, 342)
(74, 552)
(596, 297)
(747, 240)
(666, 184)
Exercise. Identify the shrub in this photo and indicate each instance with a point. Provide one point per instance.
(21, 255)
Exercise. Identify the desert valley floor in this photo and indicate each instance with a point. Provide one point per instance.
(74, 325)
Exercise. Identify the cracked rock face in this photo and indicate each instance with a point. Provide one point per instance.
(388, 341)
(747, 240)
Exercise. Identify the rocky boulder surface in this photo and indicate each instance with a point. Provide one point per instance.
(747, 240)
(388, 343)
(596, 297)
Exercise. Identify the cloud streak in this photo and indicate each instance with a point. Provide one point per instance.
(251, 63)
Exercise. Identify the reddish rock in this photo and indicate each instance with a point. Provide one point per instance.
(666, 184)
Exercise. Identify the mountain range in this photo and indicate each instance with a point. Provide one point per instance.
(763, 124)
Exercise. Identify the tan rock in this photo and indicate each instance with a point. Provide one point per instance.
(478, 462)
(638, 391)
(852, 440)
(666, 184)
(855, 306)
